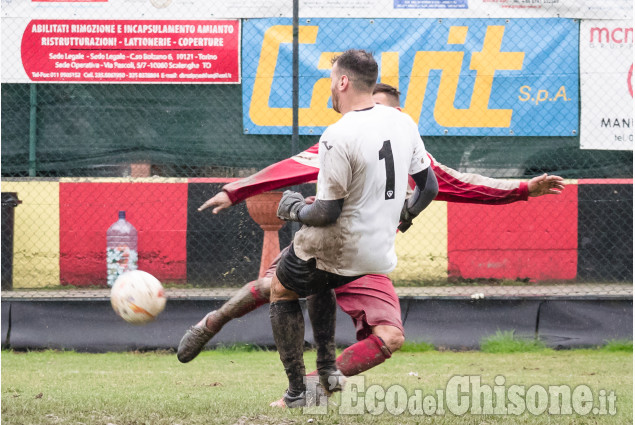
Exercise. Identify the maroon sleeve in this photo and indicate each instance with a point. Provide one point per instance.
(453, 185)
(472, 188)
(301, 168)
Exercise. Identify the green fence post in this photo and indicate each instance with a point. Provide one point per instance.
(32, 130)
(295, 134)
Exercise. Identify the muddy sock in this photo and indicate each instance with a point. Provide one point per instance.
(246, 299)
(322, 308)
(287, 324)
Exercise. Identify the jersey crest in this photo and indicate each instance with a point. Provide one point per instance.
(326, 145)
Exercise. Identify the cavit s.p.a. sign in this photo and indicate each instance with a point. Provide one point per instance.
(466, 77)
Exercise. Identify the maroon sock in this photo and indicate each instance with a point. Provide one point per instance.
(246, 299)
(362, 356)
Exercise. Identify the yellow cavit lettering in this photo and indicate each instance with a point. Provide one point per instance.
(390, 68)
(450, 65)
(318, 114)
(486, 62)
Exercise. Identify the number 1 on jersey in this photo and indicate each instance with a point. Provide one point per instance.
(386, 153)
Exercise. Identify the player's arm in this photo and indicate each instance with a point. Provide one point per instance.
(426, 190)
(333, 180)
(426, 185)
(293, 207)
(301, 168)
(455, 186)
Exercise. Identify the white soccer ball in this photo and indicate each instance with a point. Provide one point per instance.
(137, 297)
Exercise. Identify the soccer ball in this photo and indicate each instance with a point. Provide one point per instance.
(137, 297)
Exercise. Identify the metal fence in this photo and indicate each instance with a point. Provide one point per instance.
(151, 107)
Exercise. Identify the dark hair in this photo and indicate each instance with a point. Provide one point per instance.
(360, 66)
(387, 89)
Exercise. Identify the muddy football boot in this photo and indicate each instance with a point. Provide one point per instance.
(290, 402)
(314, 395)
(332, 382)
(194, 340)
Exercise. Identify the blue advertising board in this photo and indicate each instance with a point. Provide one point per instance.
(459, 77)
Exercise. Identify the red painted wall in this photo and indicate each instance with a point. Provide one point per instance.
(157, 210)
(536, 239)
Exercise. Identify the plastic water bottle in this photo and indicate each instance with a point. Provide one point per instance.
(121, 248)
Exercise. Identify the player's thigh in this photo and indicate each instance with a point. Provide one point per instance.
(263, 284)
(280, 293)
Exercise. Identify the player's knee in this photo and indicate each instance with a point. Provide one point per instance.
(396, 342)
(263, 286)
(391, 335)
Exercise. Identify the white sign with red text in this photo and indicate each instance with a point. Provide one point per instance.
(123, 51)
(606, 85)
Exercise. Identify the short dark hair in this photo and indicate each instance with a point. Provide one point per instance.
(361, 66)
(387, 89)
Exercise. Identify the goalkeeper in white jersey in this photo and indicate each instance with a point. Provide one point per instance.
(349, 231)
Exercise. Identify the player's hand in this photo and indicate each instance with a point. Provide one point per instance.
(404, 225)
(309, 200)
(405, 220)
(290, 205)
(220, 201)
(545, 185)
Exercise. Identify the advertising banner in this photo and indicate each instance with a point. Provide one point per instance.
(237, 9)
(462, 77)
(126, 51)
(430, 4)
(606, 85)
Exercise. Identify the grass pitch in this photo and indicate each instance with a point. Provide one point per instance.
(235, 387)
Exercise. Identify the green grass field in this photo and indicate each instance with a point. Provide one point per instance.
(235, 387)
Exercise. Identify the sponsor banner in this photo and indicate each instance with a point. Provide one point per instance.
(194, 9)
(585, 9)
(430, 4)
(581, 9)
(464, 77)
(606, 85)
(125, 51)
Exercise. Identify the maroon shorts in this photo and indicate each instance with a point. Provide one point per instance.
(271, 271)
(370, 300)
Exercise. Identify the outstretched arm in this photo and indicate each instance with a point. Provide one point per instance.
(455, 186)
(301, 168)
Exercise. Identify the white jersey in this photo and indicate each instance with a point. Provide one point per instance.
(365, 159)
